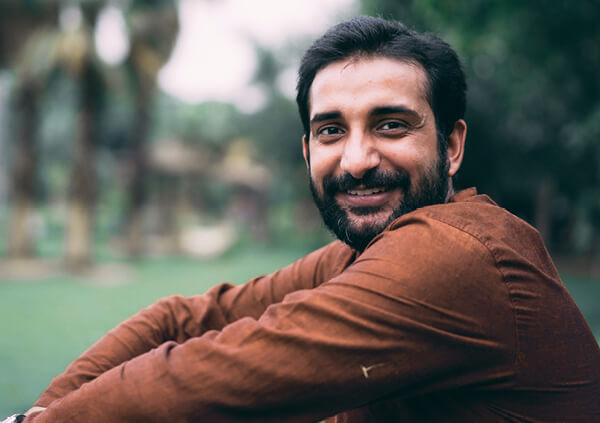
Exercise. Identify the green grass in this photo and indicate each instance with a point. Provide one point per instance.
(586, 293)
(46, 323)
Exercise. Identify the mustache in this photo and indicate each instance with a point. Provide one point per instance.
(372, 179)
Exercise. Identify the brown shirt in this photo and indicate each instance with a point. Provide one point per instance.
(455, 313)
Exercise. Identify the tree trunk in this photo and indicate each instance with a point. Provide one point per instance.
(20, 242)
(79, 235)
(138, 165)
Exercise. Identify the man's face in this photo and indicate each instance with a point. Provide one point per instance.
(372, 151)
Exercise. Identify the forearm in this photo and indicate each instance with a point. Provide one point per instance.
(253, 370)
(170, 319)
(178, 319)
(321, 351)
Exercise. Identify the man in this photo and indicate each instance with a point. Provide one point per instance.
(436, 307)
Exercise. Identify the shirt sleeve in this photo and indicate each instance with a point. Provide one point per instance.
(423, 309)
(178, 319)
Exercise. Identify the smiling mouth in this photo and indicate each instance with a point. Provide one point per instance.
(364, 192)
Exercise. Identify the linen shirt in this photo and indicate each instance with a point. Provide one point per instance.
(454, 313)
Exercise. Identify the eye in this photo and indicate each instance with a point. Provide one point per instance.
(330, 130)
(330, 133)
(393, 125)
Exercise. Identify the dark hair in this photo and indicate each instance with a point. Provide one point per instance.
(367, 36)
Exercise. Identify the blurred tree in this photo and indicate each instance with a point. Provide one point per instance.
(276, 131)
(82, 66)
(20, 242)
(26, 47)
(32, 42)
(48, 48)
(152, 30)
(275, 128)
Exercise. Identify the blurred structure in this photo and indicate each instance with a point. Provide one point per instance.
(181, 174)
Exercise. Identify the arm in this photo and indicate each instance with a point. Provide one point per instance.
(178, 319)
(394, 322)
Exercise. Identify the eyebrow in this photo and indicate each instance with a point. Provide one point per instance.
(320, 117)
(388, 110)
(377, 111)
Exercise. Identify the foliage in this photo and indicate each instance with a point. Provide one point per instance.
(533, 107)
(533, 103)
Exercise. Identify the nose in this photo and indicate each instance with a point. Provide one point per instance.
(360, 155)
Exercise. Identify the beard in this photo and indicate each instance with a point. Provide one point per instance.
(431, 189)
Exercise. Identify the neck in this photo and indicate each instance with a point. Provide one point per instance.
(451, 192)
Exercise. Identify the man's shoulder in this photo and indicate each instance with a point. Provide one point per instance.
(474, 214)
(469, 211)
(468, 224)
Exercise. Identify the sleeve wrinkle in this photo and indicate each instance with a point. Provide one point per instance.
(307, 349)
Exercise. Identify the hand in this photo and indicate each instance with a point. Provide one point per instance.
(34, 410)
(15, 418)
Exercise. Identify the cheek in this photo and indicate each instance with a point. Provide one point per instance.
(404, 158)
(412, 157)
(324, 161)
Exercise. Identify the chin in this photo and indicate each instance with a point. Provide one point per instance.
(360, 221)
(360, 230)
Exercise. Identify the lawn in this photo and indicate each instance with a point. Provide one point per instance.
(46, 323)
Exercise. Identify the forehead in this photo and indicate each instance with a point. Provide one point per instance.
(369, 82)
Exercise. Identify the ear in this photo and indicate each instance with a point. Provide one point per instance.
(305, 151)
(456, 146)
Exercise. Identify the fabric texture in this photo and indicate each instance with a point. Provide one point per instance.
(455, 313)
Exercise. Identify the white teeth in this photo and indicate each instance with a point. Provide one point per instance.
(365, 191)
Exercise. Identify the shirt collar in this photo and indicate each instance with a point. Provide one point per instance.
(463, 195)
